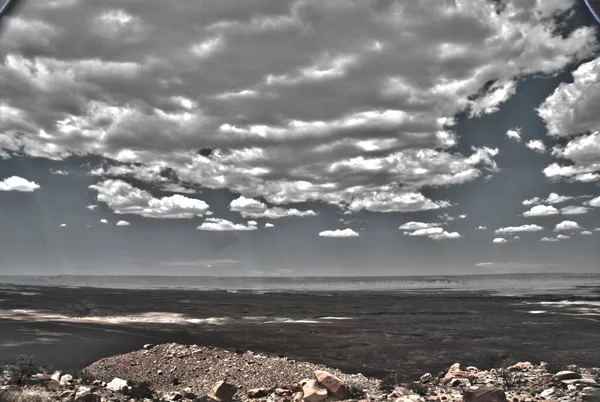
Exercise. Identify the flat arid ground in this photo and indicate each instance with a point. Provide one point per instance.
(368, 332)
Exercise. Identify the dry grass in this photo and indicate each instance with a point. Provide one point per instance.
(27, 395)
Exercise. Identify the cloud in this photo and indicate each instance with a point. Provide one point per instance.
(92, 207)
(536, 146)
(193, 263)
(251, 208)
(595, 202)
(563, 237)
(514, 134)
(412, 225)
(541, 210)
(59, 172)
(233, 96)
(567, 226)
(586, 233)
(103, 221)
(426, 232)
(269, 225)
(123, 198)
(499, 240)
(484, 264)
(571, 114)
(481, 227)
(16, 183)
(553, 198)
(123, 223)
(549, 239)
(519, 229)
(62, 225)
(574, 210)
(339, 233)
(222, 225)
(445, 236)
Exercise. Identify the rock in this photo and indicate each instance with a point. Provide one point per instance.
(67, 394)
(590, 394)
(259, 392)
(566, 375)
(485, 393)
(173, 396)
(547, 393)
(576, 381)
(117, 385)
(426, 377)
(148, 346)
(454, 372)
(222, 391)
(313, 391)
(65, 379)
(297, 397)
(56, 375)
(332, 384)
(41, 377)
(455, 382)
(85, 394)
(400, 391)
(472, 368)
(521, 366)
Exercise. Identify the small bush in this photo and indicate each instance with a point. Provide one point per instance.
(138, 390)
(391, 381)
(85, 377)
(419, 388)
(356, 393)
(24, 367)
(34, 394)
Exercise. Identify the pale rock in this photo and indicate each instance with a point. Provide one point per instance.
(117, 385)
(547, 393)
(590, 394)
(148, 346)
(426, 377)
(332, 384)
(259, 392)
(222, 391)
(56, 375)
(65, 379)
(85, 394)
(313, 391)
(566, 375)
(521, 366)
(472, 368)
(484, 393)
(297, 397)
(400, 391)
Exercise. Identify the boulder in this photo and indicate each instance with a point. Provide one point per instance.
(85, 394)
(400, 391)
(566, 375)
(521, 366)
(332, 384)
(577, 381)
(41, 377)
(590, 394)
(65, 379)
(117, 385)
(454, 372)
(148, 346)
(259, 392)
(222, 391)
(484, 393)
(297, 397)
(173, 396)
(313, 391)
(426, 377)
(56, 375)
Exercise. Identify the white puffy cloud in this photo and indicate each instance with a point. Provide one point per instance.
(519, 229)
(412, 225)
(62, 225)
(16, 183)
(269, 225)
(595, 202)
(536, 146)
(59, 172)
(574, 210)
(532, 201)
(571, 113)
(339, 233)
(553, 198)
(123, 223)
(103, 221)
(445, 236)
(586, 233)
(563, 237)
(514, 134)
(92, 207)
(549, 239)
(499, 240)
(567, 226)
(426, 232)
(223, 225)
(350, 117)
(541, 210)
(251, 208)
(123, 198)
(481, 227)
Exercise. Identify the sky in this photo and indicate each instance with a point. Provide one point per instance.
(299, 137)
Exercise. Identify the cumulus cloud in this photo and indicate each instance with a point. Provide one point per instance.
(103, 221)
(553, 198)
(62, 225)
(571, 114)
(549, 239)
(339, 233)
(123, 198)
(412, 225)
(92, 207)
(269, 225)
(223, 225)
(563, 237)
(59, 172)
(232, 94)
(587, 233)
(536, 146)
(574, 210)
(567, 226)
(595, 202)
(123, 223)
(499, 240)
(514, 134)
(426, 232)
(16, 183)
(519, 229)
(251, 208)
(445, 236)
(481, 227)
(541, 210)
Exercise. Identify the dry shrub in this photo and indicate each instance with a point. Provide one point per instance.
(33, 394)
